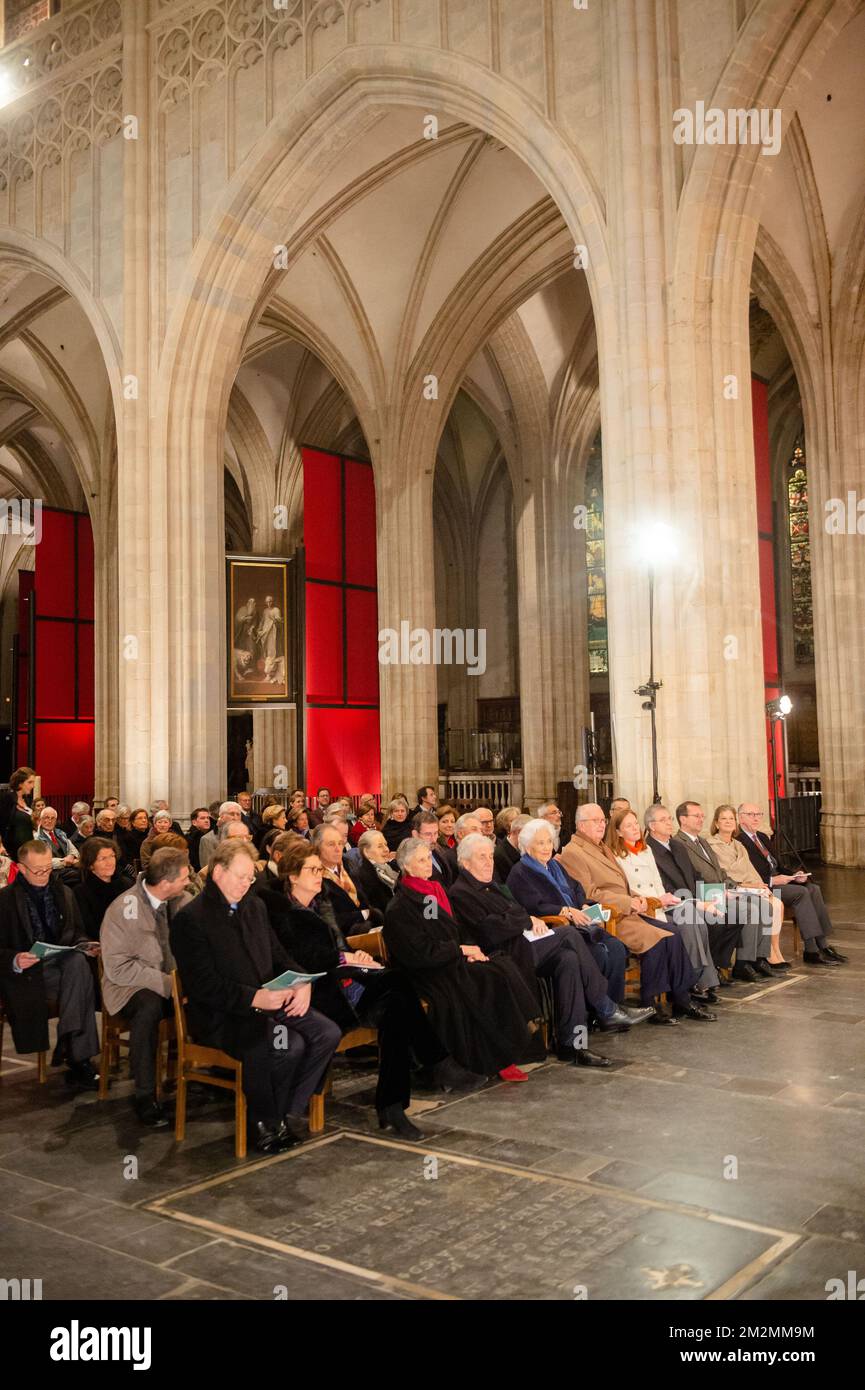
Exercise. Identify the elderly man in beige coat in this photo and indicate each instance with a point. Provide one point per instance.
(137, 964)
(664, 965)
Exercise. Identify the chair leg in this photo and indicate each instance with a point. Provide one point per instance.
(239, 1122)
(316, 1113)
(180, 1107)
(43, 1068)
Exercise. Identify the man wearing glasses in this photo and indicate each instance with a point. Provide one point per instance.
(226, 951)
(39, 908)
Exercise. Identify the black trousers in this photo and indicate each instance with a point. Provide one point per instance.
(805, 901)
(389, 1002)
(144, 1012)
(69, 981)
(666, 969)
(285, 1066)
(567, 960)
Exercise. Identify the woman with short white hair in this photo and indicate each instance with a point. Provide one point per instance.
(376, 876)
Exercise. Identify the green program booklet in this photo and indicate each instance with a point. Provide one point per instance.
(46, 949)
(596, 913)
(714, 893)
(289, 978)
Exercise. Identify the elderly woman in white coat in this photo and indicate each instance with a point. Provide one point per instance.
(638, 863)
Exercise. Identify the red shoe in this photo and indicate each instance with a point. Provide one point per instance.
(512, 1073)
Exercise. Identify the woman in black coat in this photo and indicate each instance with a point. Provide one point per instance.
(101, 882)
(481, 1009)
(375, 878)
(356, 991)
(397, 827)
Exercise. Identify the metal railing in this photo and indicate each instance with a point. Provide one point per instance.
(493, 789)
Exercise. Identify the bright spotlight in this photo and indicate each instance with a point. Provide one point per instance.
(7, 88)
(656, 542)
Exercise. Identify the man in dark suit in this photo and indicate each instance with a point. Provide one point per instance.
(425, 826)
(753, 939)
(225, 950)
(706, 939)
(507, 851)
(249, 818)
(200, 825)
(38, 907)
(804, 898)
(427, 800)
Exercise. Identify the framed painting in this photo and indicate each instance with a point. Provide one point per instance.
(258, 642)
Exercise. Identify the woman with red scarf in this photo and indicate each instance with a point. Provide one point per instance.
(481, 1009)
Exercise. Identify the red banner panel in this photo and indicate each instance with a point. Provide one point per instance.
(324, 644)
(55, 565)
(322, 514)
(360, 524)
(64, 759)
(361, 625)
(85, 568)
(342, 750)
(55, 669)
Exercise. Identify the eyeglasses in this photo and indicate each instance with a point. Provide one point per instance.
(314, 868)
(38, 873)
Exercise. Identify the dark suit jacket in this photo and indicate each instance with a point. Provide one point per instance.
(505, 858)
(762, 865)
(349, 919)
(539, 895)
(674, 865)
(374, 889)
(223, 958)
(709, 870)
(310, 935)
(447, 858)
(24, 997)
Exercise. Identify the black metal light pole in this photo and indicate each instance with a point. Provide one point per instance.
(649, 691)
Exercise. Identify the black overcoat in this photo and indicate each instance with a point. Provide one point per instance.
(24, 996)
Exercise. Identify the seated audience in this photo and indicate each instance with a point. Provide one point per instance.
(322, 801)
(795, 889)
(132, 839)
(168, 840)
(505, 819)
(376, 877)
(709, 938)
(38, 907)
(447, 819)
(542, 887)
(226, 952)
(356, 991)
(664, 965)
(298, 821)
(175, 827)
(754, 938)
(737, 869)
(86, 828)
(507, 852)
(425, 827)
(397, 826)
(63, 852)
(619, 803)
(486, 820)
(101, 880)
(199, 826)
(551, 813)
(640, 868)
(427, 800)
(348, 903)
(79, 810)
(365, 820)
(480, 1009)
(497, 922)
(137, 965)
(229, 811)
(251, 820)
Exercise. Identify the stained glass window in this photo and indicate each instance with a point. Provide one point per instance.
(595, 565)
(800, 556)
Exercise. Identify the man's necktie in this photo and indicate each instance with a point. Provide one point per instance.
(161, 919)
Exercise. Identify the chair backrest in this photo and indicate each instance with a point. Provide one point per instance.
(179, 1000)
(370, 941)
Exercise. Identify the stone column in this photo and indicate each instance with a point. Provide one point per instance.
(678, 449)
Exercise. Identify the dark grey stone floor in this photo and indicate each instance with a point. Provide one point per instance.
(714, 1160)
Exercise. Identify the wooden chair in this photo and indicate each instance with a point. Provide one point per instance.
(632, 973)
(114, 1030)
(41, 1057)
(191, 1059)
(373, 943)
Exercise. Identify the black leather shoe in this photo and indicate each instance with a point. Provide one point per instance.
(150, 1112)
(394, 1117)
(745, 971)
(813, 958)
(584, 1058)
(779, 966)
(617, 1022)
(763, 967)
(83, 1075)
(270, 1141)
(696, 1012)
(637, 1015)
(662, 1019)
(704, 996)
(834, 955)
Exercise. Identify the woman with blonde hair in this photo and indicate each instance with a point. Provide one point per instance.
(736, 864)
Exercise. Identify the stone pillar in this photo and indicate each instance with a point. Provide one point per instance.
(406, 592)
(678, 449)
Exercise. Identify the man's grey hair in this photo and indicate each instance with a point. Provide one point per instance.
(230, 806)
(518, 822)
(365, 840)
(548, 806)
(530, 830)
(157, 815)
(48, 811)
(80, 808)
(652, 814)
(470, 845)
(86, 820)
(462, 823)
(583, 811)
(408, 848)
(103, 814)
(317, 835)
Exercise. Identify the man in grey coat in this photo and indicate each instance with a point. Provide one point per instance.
(137, 964)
